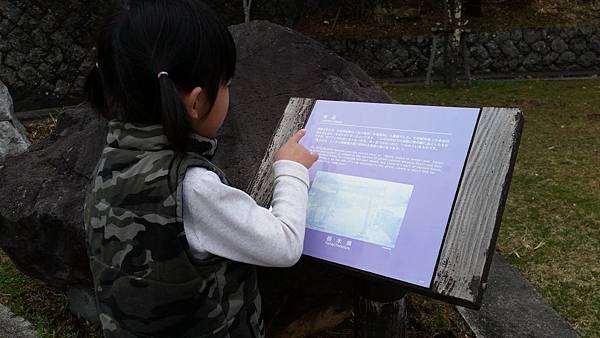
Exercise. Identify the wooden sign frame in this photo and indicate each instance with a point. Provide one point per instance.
(466, 254)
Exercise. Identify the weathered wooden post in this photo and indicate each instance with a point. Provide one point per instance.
(379, 310)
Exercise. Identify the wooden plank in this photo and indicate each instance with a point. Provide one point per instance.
(471, 235)
(294, 116)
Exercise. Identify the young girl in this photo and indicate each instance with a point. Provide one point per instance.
(172, 247)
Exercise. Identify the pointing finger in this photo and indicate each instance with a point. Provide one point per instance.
(298, 135)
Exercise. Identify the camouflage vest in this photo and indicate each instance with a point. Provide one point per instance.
(146, 282)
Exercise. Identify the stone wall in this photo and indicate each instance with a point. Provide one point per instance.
(573, 50)
(46, 46)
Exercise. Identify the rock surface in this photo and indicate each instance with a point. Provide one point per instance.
(12, 134)
(41, 191)
(14, 326)
(513, 308)
(41, 200)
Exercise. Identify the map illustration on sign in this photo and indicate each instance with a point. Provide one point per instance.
(382, 191)
(357, 207)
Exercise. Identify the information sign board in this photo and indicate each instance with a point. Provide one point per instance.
(382, 191)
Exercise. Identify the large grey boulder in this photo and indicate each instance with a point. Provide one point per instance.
(42, 190)
(12, 134)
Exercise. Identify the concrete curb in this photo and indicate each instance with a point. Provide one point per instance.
(14, 326)
(513, 308)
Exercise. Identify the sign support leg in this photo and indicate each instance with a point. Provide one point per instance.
(379, 310)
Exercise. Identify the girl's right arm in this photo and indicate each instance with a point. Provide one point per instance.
(227, 222)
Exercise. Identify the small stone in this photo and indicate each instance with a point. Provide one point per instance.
(388, 68)
(35, 56)
(578, 45)
(9, 75)
(513, 65)
(587, 59)
(502, 36)
(555, 68)
(19, 41)
(14, 60)
(27, 23)
(484, 36)
(47, 23)
(471, 38)
(509, 49)
(397, 74)
(415, 53)
(531, 62)
(516, 35)
(550, 58)
(55, 57)
(29, 75)
(385, 56)
(531, 36)
(523, 47)
(10, 11)
(493, 49)
(559, 45)
(485, 65)
(61, 87)
(585, 30)
(539, 47)
(500, 65)
(78, 53)
(479, 52)
(39, 39)
(595, 43)
(401, 53)
(567, 58)
(412, 70)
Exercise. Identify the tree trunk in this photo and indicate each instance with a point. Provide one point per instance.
(454, 28)
(247, 7)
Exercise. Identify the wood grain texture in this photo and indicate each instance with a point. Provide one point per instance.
(471, 235)
(294, 116)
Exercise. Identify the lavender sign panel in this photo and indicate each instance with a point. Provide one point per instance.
(383, 188)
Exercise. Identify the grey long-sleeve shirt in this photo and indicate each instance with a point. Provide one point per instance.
(227, 222)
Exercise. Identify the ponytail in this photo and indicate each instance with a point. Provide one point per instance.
(173, 114)
(144, 40)
(94, 90)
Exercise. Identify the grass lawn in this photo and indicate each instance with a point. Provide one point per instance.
(550, 230)
(551, 224)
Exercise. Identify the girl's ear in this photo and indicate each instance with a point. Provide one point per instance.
(195, 101)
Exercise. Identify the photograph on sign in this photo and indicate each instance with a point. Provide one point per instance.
(358, 208)
(382, 191)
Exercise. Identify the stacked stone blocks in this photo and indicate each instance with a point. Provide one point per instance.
(570, 50)
(46, 47)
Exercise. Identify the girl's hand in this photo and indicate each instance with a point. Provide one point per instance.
(293, 151)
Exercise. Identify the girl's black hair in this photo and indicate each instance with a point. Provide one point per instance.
(184, 38)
